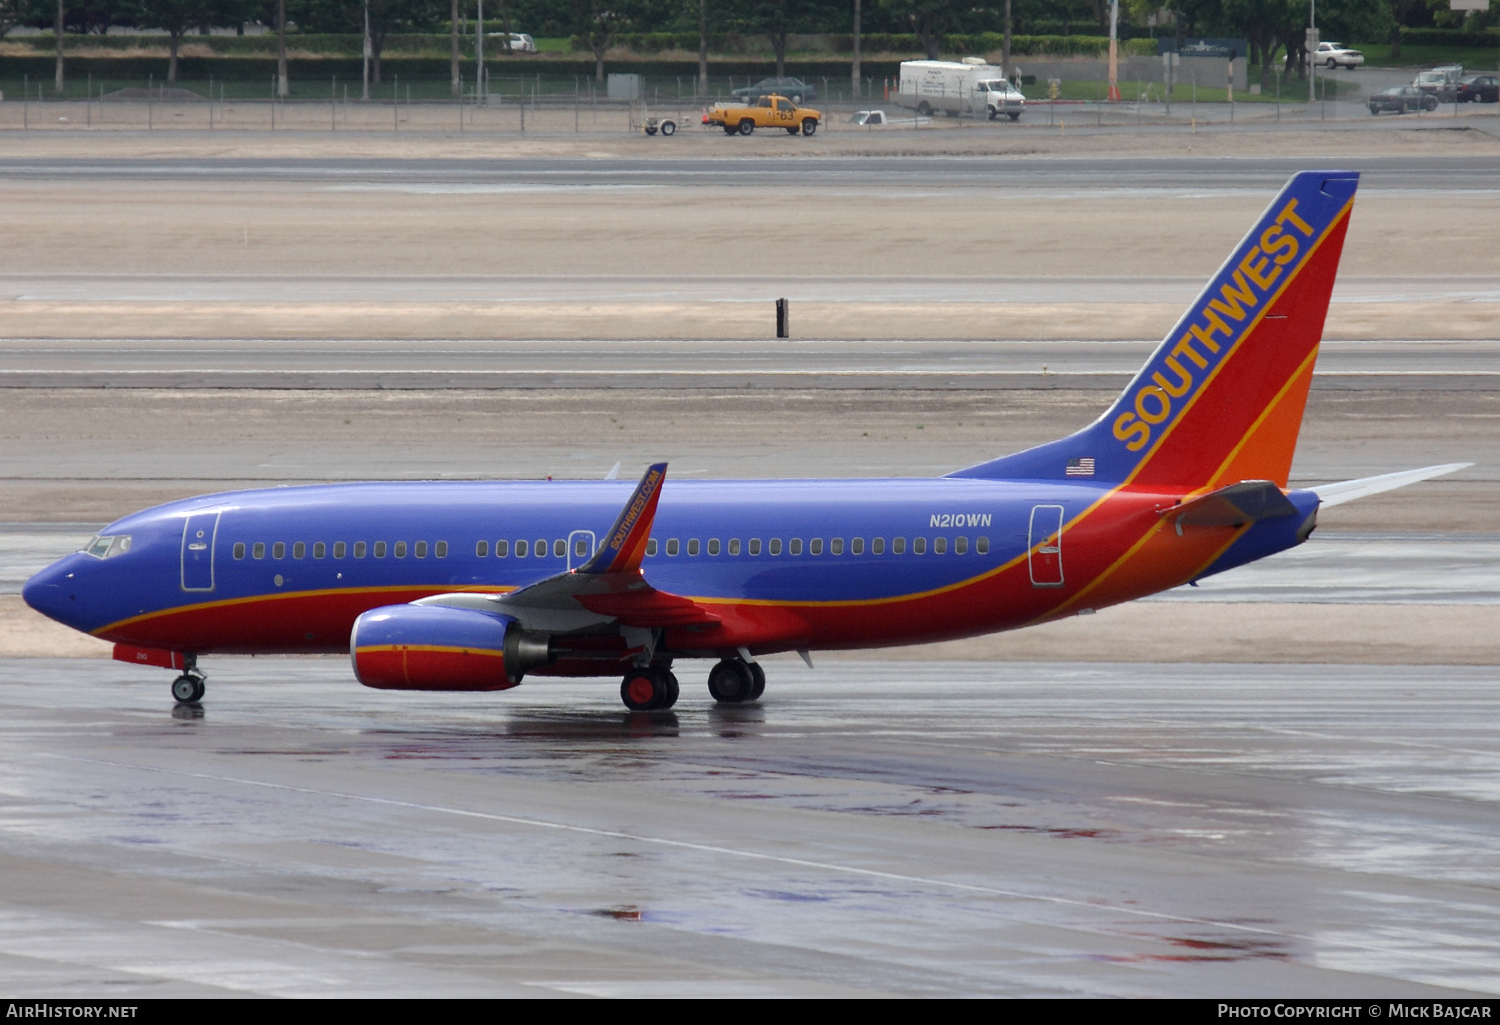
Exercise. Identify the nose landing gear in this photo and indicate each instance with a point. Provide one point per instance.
(188, 689)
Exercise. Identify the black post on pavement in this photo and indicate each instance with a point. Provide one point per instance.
(783, 319)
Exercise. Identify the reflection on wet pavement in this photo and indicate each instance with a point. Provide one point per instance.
(955, 828)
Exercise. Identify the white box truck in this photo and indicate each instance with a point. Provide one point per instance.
(970, 86)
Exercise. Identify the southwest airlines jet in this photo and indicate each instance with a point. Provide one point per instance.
(464, 586)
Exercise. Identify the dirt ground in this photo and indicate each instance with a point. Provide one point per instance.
(202, 229)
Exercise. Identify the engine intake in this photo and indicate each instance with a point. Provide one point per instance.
(428, 647)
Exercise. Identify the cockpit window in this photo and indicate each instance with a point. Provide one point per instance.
(107, 546)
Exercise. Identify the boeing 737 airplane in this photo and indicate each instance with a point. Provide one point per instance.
(476, 585)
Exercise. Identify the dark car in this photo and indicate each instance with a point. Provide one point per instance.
(1401, 99)
(1479, 89)
(793, 89)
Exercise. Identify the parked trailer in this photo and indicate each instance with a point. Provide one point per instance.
(970, 86)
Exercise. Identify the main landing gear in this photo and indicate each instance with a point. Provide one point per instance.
(735, 681)
(649, 689)
(188, 688)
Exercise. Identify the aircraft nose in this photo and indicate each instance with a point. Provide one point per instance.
(53, 591)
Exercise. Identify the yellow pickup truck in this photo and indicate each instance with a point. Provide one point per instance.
(768, 112)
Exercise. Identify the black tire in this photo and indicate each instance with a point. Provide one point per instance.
(791, 131)
(731, 130)
(643, 690)
(1429, 104)
(809, 125)
(994, 113)
(797, 99)
(187, 689)
(924, 108)
(1015, 115)
(669, 128)
(759, 687)
(1332, 64)
(1402, 108)
(747, 126)
(674, 689)
(650, 130)
(731, 682)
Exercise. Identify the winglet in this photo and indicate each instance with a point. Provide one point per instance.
(626, 544)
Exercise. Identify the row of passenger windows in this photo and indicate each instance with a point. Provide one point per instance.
(341, 550)
(559, 547)
(836, 546)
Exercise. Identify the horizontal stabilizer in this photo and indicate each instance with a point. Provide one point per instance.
(1249, 501)
(1348, 490)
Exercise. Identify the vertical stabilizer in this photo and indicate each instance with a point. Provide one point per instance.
(1221, 399)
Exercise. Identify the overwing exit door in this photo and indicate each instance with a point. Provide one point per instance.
(198, 532)
(1045, 543)
(580, 548)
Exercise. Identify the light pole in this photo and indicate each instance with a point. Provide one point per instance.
(1114, 51)
(366, 73)
(1312, 47)
(479, 55)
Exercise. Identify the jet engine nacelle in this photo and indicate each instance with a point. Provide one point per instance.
(429, 647)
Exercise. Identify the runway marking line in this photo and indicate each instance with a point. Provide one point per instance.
(780, 859)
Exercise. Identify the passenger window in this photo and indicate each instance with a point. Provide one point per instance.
(816, 546)
(734, 546)
(857, 546)
(775, 546)
(939, 545)
(693, 546)
(898, 546)
(877, 545)
(919, 546)
(320, 550)
(482, 549)
(559, 548)
(440, 550)
(278, 550)
(502, 549)
(339, 549)
(795, 546)
(755, 546)
(836, 546)
(580, 547)
(960, 545)
(400, 551)
(359, 549)
(982, 545)
(420, 550)
(651, 547)
(299, 550)
(765, 101)
(379, 549)
(259, 551)
(540, 548)
(239, 549)
(521, 549)
(713, 546)
(671, 546)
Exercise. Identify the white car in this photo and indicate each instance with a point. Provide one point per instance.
(520, 42)
(1334, 55)
(880, 119)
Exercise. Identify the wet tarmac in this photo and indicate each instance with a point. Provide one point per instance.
(917, 829)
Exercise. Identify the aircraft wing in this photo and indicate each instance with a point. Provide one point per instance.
(1348, 490)
(609, 588)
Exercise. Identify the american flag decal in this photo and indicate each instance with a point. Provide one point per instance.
(1083, 467)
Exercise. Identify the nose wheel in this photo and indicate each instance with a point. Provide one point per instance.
(735, 681)
(188, 688)
(649, 689)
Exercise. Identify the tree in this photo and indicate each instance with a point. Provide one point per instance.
(929, 19)
(599, 22)
(173, 16)
(386, 16)
(456, 83)
(62, 24)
